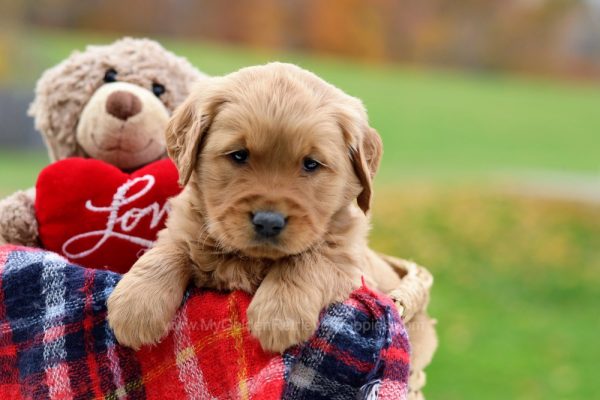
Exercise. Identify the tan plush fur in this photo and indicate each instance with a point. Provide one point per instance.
(17, 219)
(63, 91)
(71, 111)
(281, 114)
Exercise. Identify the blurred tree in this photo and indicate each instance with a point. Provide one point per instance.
(352, 27)
(548, 36)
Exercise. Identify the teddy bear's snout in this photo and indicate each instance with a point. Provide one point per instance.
(123, 124)
(123, 105)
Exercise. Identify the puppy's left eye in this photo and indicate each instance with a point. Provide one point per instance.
(239, 157)
(310, 165)
(158, 89)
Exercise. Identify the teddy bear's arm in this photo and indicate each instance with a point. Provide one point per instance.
(18, 224)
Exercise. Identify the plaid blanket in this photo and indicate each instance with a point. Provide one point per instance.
(56, 344)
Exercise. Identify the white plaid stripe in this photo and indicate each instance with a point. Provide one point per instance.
(189, 371)
(113, 358)
(55, 354)
(18, 260)
(303, 376)
(273, 371)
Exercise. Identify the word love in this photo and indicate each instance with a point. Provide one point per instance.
(125, 222)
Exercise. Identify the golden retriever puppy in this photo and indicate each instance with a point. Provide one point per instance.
(273, 160)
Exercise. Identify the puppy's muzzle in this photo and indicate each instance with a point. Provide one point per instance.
(268, 224)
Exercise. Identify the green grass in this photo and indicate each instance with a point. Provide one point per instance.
(430, 121)
(19, 169)
(515, 294)
(516, 280)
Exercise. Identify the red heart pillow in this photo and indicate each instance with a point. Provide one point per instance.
(100, 217)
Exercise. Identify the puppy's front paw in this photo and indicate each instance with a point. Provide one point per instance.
(139, 313)
(279, 325)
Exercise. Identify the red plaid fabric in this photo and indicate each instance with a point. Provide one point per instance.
(55, 344)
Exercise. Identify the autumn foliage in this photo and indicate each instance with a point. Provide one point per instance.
(543, 36)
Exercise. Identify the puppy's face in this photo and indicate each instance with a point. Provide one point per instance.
(271, 187)
(275, 153)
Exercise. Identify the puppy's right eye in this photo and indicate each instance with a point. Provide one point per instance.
(310, 165)
(110, 76)
(239, 157)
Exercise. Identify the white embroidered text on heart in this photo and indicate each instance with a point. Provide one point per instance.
(126, 222)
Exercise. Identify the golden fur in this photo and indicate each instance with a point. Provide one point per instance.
(281, 114)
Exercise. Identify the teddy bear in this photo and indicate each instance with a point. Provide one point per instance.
(110, 103)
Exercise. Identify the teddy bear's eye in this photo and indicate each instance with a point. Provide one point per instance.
(110, 76)
(158, 89)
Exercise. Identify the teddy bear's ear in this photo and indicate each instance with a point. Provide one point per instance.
(60, 95)
(189, 124)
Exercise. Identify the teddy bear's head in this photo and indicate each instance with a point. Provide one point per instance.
(112, 102)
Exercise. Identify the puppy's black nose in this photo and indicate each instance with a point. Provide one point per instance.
(268, 224)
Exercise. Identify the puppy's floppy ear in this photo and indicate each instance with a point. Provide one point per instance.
(366, 159)
(189, 124)
(366, 148)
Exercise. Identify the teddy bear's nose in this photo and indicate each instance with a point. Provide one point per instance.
(123, 105)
